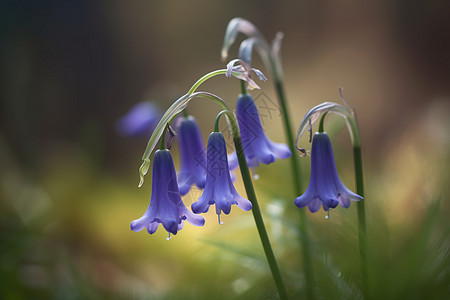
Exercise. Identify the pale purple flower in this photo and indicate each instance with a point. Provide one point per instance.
(325, 187)
(166, 206)
(140, 120)
(219, 188)
(193, 157)
(257, 146)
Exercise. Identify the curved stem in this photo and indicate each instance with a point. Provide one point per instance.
(216, 123)
(258, 219)
(204, 78)
(321, 122)
(182, 101)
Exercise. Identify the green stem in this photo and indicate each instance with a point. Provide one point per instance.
(258, 219)
(321, 122)
(243, 89)
(361, 216)
(216, 123)
(273, 265)
(161, 142)
(303, 224)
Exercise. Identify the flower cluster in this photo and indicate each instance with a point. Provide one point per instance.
(210, 170)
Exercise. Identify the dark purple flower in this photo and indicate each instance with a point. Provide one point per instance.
(140, 120)
(193, 157)
(219, 187)
(166, 206)
(257, 147)
(325, 187)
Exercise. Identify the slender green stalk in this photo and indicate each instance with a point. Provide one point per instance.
(259, 220)
(273, 265)
(361, 216)
(304, 238)
(321, 122)
(243, 89)
(204, 78)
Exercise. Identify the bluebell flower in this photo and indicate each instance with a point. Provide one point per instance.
(257, 147)
(325, 187)
(166, 206)
(140, 120)
(219, 188)
(193, 157)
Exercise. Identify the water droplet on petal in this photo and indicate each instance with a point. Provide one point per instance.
(168, 238)
(328, 215)
(220, 223)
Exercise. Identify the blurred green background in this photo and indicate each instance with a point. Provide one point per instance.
(68, 181)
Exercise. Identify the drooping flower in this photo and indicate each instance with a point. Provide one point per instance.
(325, 187)
(166, 206)
(257, 146)
(193, 157)
(140, 120)
(219, 188)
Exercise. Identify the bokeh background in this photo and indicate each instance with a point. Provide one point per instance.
(68, 180)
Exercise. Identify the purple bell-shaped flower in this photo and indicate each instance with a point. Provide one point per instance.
(219, 188)
(257, 147)
(140, 120)
(325, 187)
(166, 206)
(193, 157)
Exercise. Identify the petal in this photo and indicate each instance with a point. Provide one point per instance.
(306, 198)
(344, 201)
(232, 160)
(141, 223)
(151, 228)
(280, 150)
(185, 182)
(314, 205)
(192, 218)
(193, 158)
(202, 205)
(223, 204)
(180, 225)
(170, 224)
(349, 194)
(243, 203)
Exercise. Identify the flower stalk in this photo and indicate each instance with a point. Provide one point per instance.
(251, 195)
(357, 159)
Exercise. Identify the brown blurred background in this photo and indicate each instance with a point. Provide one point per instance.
(71, 68)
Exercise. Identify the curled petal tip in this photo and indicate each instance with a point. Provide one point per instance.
(260, 75)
